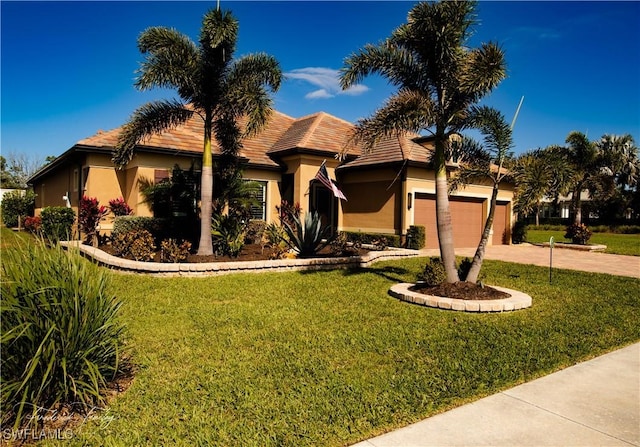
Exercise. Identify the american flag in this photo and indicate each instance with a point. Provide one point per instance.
(323, 177)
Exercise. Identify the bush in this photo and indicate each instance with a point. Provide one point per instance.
(89, 215)
(228, 234)
(17, 204)
(172, 251)
(138, 245)
(340, 246)
(392, 240)
(57, 223)
(62, 339)
(254, 231)
(578, 233)
(274, 237)
(416, 237)
(33, 225)
(519, 232)
(119, 207)
(433, 273)
(126, 224)
(307, 238)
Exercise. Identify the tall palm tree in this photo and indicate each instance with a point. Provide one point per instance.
(438, 79)
(586, 161)
(211, 85)
(488, 162)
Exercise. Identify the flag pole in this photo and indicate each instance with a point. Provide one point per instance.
(513, 123)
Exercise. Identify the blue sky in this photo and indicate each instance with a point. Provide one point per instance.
(67, 68)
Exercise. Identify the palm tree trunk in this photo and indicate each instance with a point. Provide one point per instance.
(443, 214)
(577, 206)
(476, 265)
(205, 247)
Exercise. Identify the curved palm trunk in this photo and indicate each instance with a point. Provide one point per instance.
(205, 247)
(443, 215)
(476, 265)
(577, 206)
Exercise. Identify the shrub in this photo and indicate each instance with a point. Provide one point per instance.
(416, 237)
(228, 235)
(57, 222)
(254, 231)
(433, 272)
(309, 238)
(519, 232)
(17, 205)
(33, 225)
(172, 251)
(119, 207)
(340, 246)
(138, 245)
(287, 212)
(578, 233)
(62, 339)
(274, 237)
(392, 240)
(89, 215)
(126, 224)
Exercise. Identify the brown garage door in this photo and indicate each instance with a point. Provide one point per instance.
(466, 217)
(500, 234)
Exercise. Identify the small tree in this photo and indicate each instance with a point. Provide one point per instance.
(16, 205)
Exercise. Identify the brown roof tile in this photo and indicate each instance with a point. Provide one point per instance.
(393, 149)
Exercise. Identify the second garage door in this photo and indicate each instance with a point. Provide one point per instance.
(466, 216)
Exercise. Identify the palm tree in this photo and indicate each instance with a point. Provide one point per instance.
(211, 85)
(484, 162)
(538, 174)
(438, 79)
(585, 159)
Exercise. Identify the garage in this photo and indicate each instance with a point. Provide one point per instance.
(467, 217)
(500, 233)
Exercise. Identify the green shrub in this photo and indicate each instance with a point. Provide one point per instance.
(519, 232)
(392, 240)
(126, 224)
(254, 231)
(138, 245)
(173, 251)
(340, 245)
(416, 237)
(307, 238)
(228, 234)
(626, 229)
(578, 233)
(274, 237)
(62, 339)
(433, 272)
(17, 204)
(57, 223)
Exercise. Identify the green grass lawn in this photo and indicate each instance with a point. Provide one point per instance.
(329, 358)
(619, 244)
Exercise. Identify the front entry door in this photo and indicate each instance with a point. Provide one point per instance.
(322, 201)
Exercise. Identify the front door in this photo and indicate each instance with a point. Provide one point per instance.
(322, 201)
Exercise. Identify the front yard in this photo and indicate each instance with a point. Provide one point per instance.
(329, 358)
(618, 244)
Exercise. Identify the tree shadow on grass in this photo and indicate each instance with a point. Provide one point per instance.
(389, 272)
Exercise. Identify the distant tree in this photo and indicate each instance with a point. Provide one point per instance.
(211, 85)
(439, 77)
(16, 169)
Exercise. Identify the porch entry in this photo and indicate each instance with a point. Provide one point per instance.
(322, 201)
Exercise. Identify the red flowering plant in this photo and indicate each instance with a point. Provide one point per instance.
(119, 207)
(90, 212)
(33, 224)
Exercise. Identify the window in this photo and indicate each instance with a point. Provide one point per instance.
(76, 180)
(259, 211)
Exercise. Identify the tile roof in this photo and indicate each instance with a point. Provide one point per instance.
(393, 149)
(319, 132)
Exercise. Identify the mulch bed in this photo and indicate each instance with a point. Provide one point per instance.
(462, 291)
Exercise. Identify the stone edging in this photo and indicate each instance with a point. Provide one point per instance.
(222, 268)
(517, 300)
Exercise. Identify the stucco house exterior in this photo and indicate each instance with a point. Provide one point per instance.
(388, 188)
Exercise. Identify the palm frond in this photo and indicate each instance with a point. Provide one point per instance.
(150, 119)
(218, 36)
(172, 60)
(484, 69)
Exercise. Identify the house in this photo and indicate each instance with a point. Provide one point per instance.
(388, 188)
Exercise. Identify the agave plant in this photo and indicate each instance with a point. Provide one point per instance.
(308, 239)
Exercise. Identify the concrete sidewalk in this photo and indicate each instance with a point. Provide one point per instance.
(594, 403)
(562, 258)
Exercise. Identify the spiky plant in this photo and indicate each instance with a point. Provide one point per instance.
(309, 238)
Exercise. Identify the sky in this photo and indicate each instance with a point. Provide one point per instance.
(67, 69)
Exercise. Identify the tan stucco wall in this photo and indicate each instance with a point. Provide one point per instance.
(374, 201)
(272, 195)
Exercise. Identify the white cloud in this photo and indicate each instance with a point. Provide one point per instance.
(328, 81)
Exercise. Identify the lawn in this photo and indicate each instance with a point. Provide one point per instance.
(329, 358)
(619, 244)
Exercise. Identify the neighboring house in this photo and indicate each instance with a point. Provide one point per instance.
(388, 189)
